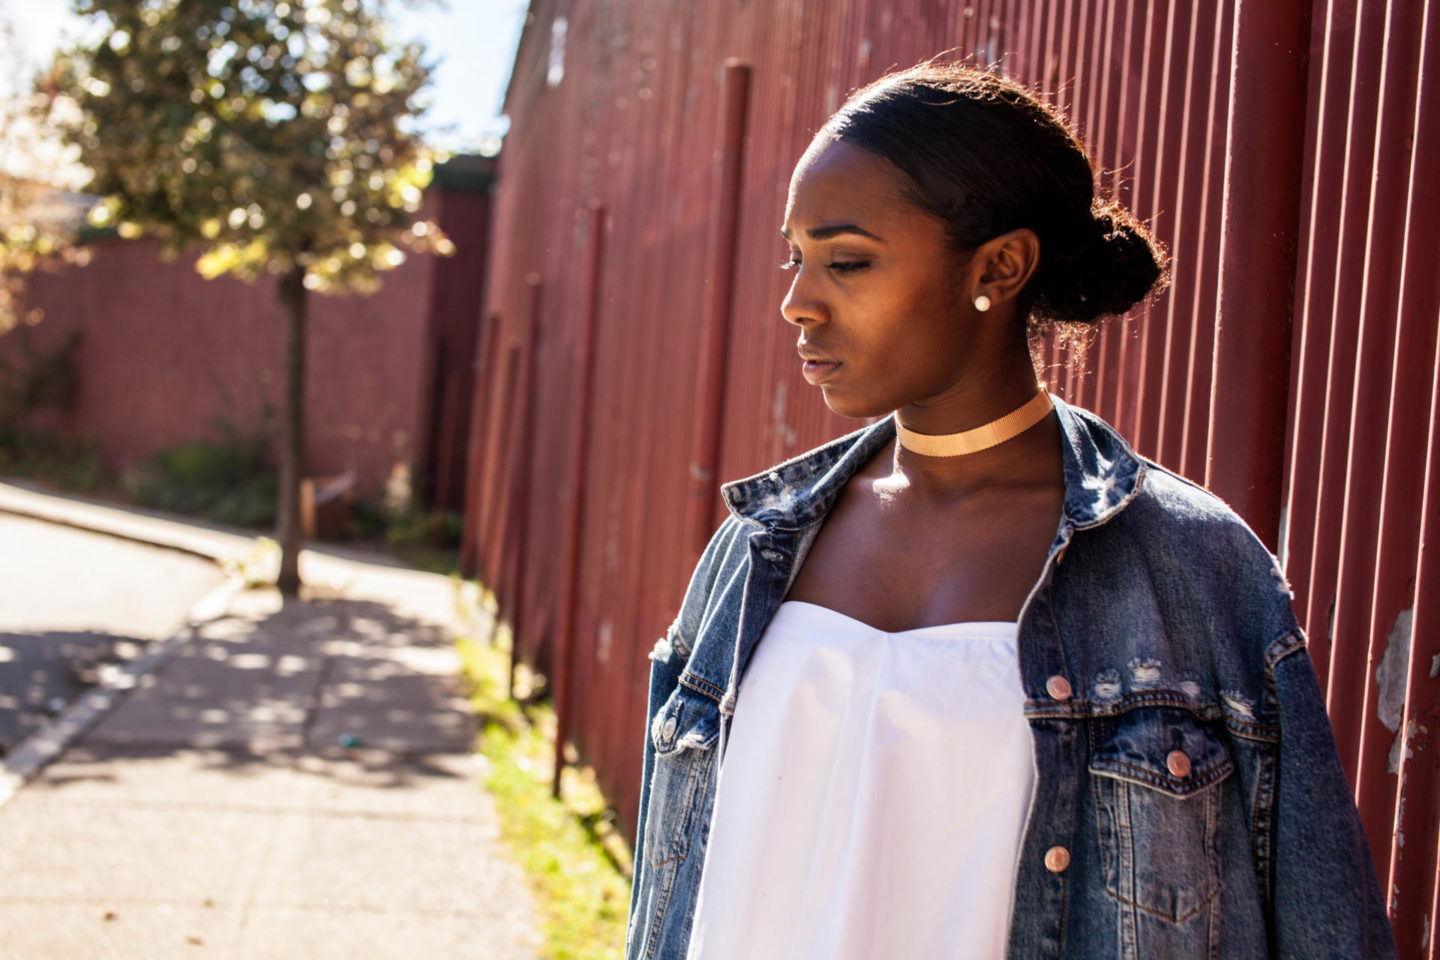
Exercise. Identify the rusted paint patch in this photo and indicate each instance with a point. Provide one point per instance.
(1392, 673)
(1415, 738)
(603, 641)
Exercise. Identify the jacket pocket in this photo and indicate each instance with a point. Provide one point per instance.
(688, 719)
(683, 733)
(1156, 778)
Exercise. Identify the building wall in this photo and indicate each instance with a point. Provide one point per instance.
(454, 318)
(166, 356)
(622, 112)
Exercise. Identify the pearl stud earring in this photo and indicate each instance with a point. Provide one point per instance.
(982, 303)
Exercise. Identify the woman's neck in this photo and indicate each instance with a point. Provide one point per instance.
(1031, 457)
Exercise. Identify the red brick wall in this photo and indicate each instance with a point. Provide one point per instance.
(165, 353)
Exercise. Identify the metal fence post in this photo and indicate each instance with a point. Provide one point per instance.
(524, 475)
(485, 364)
(715, 338)
(1245, 455)
(569, 593)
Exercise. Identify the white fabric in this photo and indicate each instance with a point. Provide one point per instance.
(872, 796)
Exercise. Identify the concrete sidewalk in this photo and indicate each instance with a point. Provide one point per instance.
(287, 780)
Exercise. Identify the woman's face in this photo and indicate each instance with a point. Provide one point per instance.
(878, 290)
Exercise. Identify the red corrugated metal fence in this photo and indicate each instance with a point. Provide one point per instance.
(1278, 148)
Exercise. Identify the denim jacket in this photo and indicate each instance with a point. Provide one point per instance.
(1189, 800)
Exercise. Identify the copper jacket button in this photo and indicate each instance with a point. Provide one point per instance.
(1057, 859)
(1058, 687)
(1178, 763)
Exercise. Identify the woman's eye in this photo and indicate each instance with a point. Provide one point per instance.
(839, 266)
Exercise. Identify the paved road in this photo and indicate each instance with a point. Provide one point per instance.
(72, 601)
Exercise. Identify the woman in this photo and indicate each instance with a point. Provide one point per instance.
(985, 682)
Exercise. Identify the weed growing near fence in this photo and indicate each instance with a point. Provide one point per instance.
(53, 460)
(225, 482)
(574, 860)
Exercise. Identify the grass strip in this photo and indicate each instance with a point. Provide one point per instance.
(569, 849)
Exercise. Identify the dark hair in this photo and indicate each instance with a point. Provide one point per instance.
(986, 157)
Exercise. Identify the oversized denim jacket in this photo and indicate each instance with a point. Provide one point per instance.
(1172, 626)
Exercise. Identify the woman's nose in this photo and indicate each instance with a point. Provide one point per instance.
(799, 307)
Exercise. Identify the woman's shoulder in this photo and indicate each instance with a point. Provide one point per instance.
(1221, 593)
(792, 490)
(1187, 528)
(1185, 500)
(1189, 508)
(1194, 534)
(1160, 495)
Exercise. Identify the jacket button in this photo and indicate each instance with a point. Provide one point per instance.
(1178, 763)
(1057, 859)
(668, 730)
(1058, 687)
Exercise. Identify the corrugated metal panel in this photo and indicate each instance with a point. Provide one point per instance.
(635, 123)
(1364, 366)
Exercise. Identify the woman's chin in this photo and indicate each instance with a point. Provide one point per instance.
(852, 408)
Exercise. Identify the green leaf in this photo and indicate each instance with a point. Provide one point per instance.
(256, 134)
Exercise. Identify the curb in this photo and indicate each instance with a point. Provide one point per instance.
(119, 528)
(39, 749)
(214, 556)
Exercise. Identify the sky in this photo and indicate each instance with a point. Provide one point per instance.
(473, 41)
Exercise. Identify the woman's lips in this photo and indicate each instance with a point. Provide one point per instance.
(818, 371)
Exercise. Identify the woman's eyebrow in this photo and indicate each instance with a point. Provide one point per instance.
(834, 230)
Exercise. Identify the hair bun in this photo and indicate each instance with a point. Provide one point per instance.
(1113, 263)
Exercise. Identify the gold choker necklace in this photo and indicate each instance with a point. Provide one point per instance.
(986, 435)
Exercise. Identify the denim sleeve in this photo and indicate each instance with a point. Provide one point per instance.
(667, 662)
(1327, 899)
(665, 666)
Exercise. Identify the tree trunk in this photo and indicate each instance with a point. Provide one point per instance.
(292, 295)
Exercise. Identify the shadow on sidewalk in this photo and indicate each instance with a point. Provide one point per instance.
(372, 695)
(42, 672)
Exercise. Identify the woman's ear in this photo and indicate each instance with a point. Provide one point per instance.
(1006, 263)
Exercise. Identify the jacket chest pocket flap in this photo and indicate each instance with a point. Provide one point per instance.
(683, 733)
(1156, 780)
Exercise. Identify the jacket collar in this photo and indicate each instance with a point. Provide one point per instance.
(1102, 474)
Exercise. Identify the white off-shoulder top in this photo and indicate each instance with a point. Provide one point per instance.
(872, 796)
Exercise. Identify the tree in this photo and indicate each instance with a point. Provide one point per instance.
(38, 229)
(276, 139)
(39, 218)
